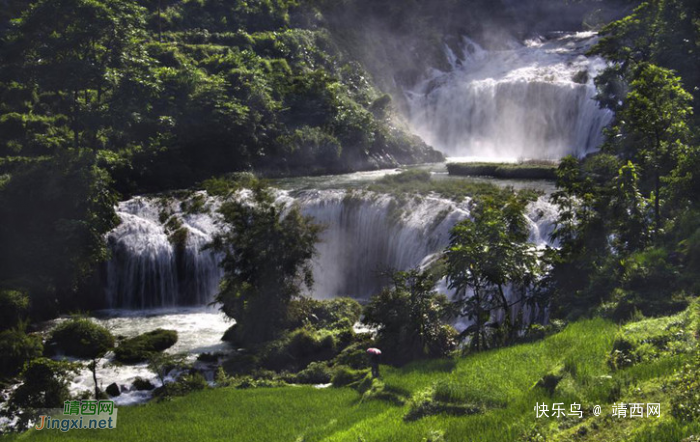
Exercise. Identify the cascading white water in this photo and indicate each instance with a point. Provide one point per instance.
(366, 233)
(148, 270)
(532, 100)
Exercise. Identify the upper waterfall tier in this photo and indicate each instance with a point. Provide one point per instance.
(365, 235)
(532, 100)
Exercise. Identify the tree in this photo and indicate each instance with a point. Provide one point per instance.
(45, 385)
(629, 211)
(653, 126)
(53, 217)
(412, 318)
(267, 258)
(78, 51)
(162, 364)
(487, 254)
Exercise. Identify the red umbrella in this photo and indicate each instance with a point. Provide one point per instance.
(374, 351)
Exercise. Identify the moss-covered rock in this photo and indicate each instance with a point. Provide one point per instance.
(140, 348)
(81, 338)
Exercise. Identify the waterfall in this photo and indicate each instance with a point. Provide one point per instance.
(365, 234)
(149, 267)
(532, 100)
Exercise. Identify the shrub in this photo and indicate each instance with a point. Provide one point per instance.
(141, 384)
(297, 349)
(14, 308)
(81, 338)
(185, 384)
(345, 376)
(16, 349)
(45, 385)
(331, 314)
(315, 373)
(141, 347)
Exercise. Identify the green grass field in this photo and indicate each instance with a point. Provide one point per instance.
(500, 381)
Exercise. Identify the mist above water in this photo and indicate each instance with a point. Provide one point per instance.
(531, 100)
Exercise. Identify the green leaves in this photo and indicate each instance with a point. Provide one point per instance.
(267, 258)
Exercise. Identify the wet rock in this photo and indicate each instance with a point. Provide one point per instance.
(141, 384)
(113, 390)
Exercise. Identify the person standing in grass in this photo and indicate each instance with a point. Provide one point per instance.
(374, 354)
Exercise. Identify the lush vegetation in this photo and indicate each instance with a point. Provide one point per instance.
(81, 338)
(500, 383)
(526, 170)
(141, 347)
(106, 97)
(627, 225)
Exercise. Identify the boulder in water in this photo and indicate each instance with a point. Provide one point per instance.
(141, 347)
(141, 384)
(113, 390)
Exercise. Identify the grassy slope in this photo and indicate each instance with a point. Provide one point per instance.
(500, 380)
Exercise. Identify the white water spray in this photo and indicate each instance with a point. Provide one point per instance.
(529, 101)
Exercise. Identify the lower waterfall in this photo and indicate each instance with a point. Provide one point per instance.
(365, 235)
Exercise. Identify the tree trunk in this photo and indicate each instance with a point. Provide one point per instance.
(93, 368)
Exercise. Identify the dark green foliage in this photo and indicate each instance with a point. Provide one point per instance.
(45, 385)
(53, 217)
(143, 384)
(203, 88)
(185, 384)
(549, 382)
(297, 349)
(14, 309)
(162, 364)
(344, 376)
(531, 171)
(267, 257)
(141, 347)
(315, 373)
(337, 313)
(17, 348)
(485, 255)
(80, 337)
(412, 319)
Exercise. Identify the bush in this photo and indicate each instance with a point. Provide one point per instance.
(81, 338)
(185, 384)
(527, 170)
(315, 373)
(45, 385)
(346, 376)
(17, 348)
(141, 384)
(297, 349)
(14, 308)
(354, 356)
(331, 314)
(141, 347)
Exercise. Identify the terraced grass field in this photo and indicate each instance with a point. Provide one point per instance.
(501, 383)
